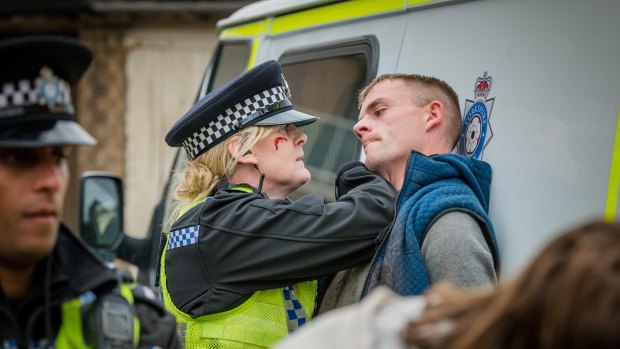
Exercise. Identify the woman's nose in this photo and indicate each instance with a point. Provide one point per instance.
(299, 137)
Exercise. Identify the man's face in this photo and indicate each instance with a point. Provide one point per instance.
(33, 182)
(390, 126)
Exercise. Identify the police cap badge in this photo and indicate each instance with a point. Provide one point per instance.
(36, 73)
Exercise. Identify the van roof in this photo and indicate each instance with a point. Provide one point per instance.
(266, 8)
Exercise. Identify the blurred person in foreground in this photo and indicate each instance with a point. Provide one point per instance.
(54, 292)
(567, 297)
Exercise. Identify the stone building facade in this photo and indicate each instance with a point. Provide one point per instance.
(150, 57)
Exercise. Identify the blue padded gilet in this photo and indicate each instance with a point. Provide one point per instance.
(433, 186)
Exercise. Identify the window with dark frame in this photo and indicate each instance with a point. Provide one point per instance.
(325, 81)
(231, 58)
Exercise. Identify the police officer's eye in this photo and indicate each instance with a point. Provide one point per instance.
(6, 158)
(379, 111)
(61, 153)
(18, 158)
(29, 157)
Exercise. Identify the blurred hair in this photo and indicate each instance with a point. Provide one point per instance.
(425, 89)
(568, 297)
(201, 175)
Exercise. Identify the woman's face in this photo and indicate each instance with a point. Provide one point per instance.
(281, 158)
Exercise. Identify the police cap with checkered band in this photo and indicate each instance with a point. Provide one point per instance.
(35, 97)
(259, 96)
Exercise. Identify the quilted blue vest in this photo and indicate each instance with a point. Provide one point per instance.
(433, 186)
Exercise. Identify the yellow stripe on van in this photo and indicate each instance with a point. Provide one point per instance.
(333, 13)
(417, 2)
(614, 179)
(245, 30)
(252, 59)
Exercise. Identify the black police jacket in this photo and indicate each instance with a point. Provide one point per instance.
(70, 271)
(250, 243)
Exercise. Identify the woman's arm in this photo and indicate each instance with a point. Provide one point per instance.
(257, 243)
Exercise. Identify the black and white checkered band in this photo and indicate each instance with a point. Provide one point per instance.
(234, 118)
(46, 93)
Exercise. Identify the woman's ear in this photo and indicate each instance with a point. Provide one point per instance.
(234, 145)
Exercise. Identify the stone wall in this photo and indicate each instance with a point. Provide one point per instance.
(164, 69)
(100, 108)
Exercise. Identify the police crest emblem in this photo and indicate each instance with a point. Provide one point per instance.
(476, 131)
(53, 92)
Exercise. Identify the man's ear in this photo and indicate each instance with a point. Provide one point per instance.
(233, 144)
(435, 114)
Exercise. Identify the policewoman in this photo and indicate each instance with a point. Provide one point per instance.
(239, 264)
(54, 293)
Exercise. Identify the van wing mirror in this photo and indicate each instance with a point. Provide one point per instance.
(101, 212)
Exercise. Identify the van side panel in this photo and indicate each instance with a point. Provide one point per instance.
(389, 30)
(556, 83)
(553, 122)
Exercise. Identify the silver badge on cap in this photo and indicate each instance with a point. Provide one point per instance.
(52, 91)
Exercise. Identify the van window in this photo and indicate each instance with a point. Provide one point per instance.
(231, 59)
(326, 85)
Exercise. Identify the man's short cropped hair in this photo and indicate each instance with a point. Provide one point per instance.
(426, 89)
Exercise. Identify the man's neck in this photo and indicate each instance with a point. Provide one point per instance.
(395, 175)
(15, 282)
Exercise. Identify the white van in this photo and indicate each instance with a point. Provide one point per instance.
(538, 81)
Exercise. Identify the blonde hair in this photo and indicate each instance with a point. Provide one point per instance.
(200, 176)
(568, 297)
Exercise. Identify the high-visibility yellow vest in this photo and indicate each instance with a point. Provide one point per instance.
(71, 333)
(257, 323)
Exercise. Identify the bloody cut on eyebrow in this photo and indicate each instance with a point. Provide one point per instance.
(277, 141)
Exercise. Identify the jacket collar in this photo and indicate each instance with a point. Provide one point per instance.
(75, 269)
(244, 187)
(70, 270)
(424, 170)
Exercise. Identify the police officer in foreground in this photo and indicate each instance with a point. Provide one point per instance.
(53, 291)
